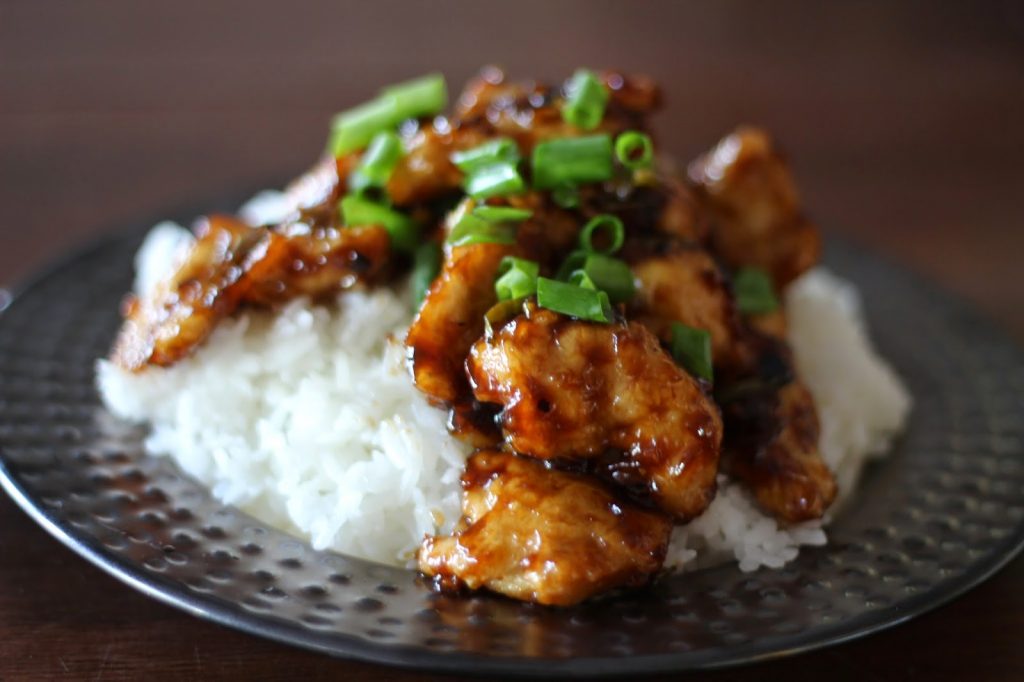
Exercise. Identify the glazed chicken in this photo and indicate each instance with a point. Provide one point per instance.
(757, 219)
(231, 264)
(575, 390)
(595, 427)
(543, 535)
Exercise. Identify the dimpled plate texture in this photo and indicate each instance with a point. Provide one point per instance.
(939, 515)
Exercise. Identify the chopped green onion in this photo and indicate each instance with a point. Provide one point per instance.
(586, 98)
(379, 159)
(582, 279)
(423, 96)
(501, 150)
(570, 299)
(566, 196)
(501, 214)
(608, 223)
(691, 348)
(497, 180)
(573, 262)
(469, 229)
(426, 264)
(634, 150)
(754, 293)
(572, 161)
(357, 210)
(610, 275)
(353, 129)
(517, 278)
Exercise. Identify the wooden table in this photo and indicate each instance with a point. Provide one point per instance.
(903, 122)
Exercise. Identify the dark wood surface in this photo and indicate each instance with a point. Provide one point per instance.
(903, 122)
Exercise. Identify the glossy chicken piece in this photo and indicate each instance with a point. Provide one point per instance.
(758, 218)
(232, 264)
(489, 107)
(680, 283)
(316, 262)
(166, 326)
(451, 319)
(543, 535)
(771, 444)
(577, 390)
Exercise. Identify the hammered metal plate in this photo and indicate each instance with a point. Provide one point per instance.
(942, 513)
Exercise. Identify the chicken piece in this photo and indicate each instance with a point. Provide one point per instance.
(679, 283)
(575, 390)
(543, 535)
(316, 262)
(232, 264)
(758, 218)
(771, 444)
(451, 319)
(164, 327)
(488, 108)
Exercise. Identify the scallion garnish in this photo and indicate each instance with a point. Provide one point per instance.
(501, 179)
(353, 129)
(517, 278)
(570, 299)
(426, 264)
(610, 226)
(610, 275)
(585, 100)
(691, 348)
(499, 214)
(423, 96)
(357, 210)
(379, 159)
(572, 161)
(500, 150)
(634, 150)
(573, 262)
(469, 229)
(754, 292)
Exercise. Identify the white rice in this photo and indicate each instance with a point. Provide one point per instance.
(308, 419)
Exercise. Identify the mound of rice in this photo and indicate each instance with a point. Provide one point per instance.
(308, 419)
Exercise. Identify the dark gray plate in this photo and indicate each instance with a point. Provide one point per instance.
(940, 515)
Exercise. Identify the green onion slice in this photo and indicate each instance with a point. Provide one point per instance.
(353, 129)
(585, 101)
(469, 229)
(573, 262)
(610, 225)
(357, 210)
(517, 278)
(501, 214)
(573, 300)
(634, 150)
(378, 162)
(426, 264)
(500, 150)
(691, 348)
(572, 161)
(498, 180)
(423, 96)
(754, 292)
(610, 275)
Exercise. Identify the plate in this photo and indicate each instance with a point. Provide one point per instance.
(939, 515)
